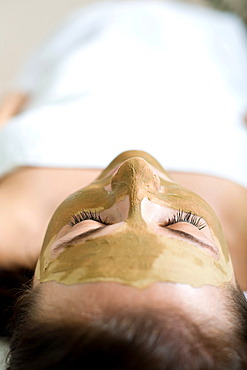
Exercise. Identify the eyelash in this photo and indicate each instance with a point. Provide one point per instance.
(83, 215)
(179, 216)
(189, 217)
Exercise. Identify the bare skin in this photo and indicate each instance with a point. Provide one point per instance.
(89, 302)
(12, 104)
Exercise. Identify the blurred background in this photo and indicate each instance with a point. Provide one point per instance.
(23, 24)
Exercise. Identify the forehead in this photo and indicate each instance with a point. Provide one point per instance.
(87, 301)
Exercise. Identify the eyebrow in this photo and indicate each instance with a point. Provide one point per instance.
(77, 238)
(183, 234)
(195, 240)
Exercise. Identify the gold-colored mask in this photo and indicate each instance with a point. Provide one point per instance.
(138, 247)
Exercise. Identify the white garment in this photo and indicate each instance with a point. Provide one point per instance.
(161, 76)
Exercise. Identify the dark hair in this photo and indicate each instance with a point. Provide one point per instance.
(12, 284)
(140, 339)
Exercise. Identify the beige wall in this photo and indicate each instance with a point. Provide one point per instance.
(23, 23)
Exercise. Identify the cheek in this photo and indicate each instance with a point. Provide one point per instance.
(153, 213)
(118, 212)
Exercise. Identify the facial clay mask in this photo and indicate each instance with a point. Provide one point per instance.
(133, 252)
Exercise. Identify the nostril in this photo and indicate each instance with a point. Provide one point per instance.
(136, 173)
(123, 175)
(156, 181)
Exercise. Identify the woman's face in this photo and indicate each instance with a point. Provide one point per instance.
(134, 225)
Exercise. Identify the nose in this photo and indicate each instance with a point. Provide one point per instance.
(138, 179)
(136, 173)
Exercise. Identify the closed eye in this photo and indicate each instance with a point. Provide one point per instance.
(86, 215)
(181, 216)
(178, 216)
